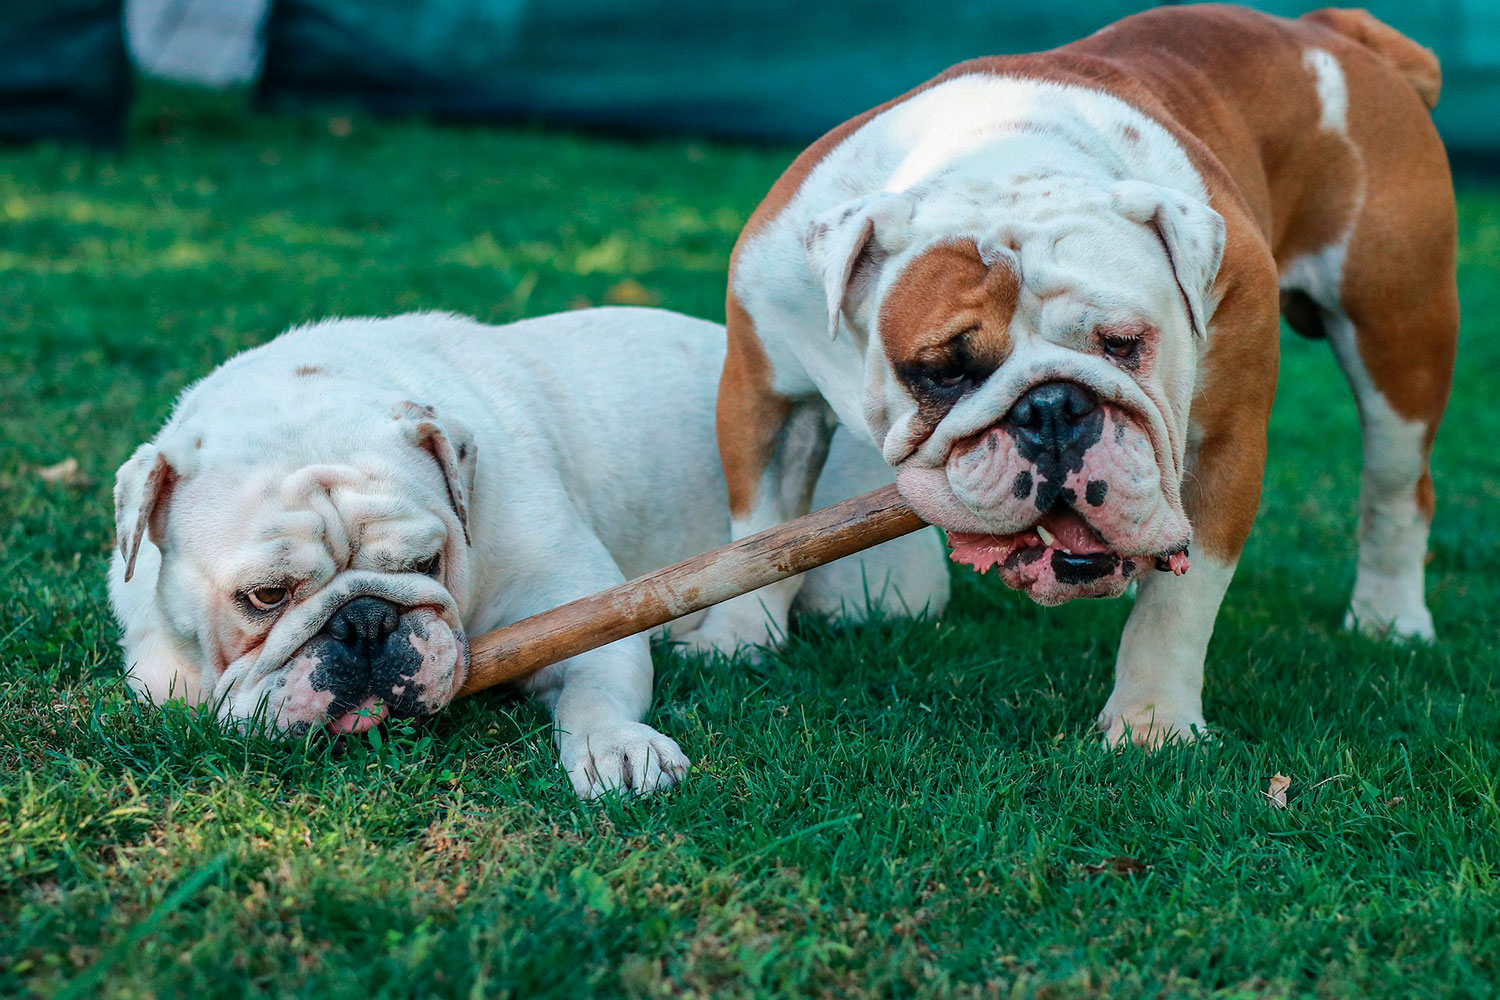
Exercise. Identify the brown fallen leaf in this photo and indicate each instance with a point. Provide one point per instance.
(630, 293)
(1118, 866)
(1276, 791)
(1395, 802)
(64, 472)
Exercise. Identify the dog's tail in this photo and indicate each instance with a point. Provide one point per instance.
(1416, 63)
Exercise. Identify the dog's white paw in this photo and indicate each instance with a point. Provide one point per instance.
(1151, 726)
(627, 757)
(1410, 623)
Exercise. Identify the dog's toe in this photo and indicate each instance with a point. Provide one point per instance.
(1150, 727)
(628, 758)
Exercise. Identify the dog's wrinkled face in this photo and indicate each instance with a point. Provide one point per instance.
(317, 594)
(1031, 378)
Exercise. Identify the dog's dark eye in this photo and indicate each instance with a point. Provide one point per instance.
(1121, 348)
(949, 376)
(430, 565)
(954, 372)
(267, 598)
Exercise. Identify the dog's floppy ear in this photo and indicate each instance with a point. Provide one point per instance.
(452, 446)
(143, 493)
(844, 245)
(1190, 231)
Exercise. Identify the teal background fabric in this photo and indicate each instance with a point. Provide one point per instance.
(63, 70)
(768, 69)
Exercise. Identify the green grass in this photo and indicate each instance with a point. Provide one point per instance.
(905, 809)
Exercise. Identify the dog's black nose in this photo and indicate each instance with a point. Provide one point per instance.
(364, 624)
(1052, 419)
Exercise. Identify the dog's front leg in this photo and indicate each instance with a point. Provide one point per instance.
(773, 448)
(1158, 693)
(598, 698)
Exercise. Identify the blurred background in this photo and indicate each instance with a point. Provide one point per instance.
(779, 70)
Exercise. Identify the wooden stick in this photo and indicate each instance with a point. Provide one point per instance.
(516, 651)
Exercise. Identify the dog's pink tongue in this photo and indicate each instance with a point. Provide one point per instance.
(366, 715)
(1073, 533)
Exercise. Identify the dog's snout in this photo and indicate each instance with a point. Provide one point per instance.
(1051, 416)
(364, 624)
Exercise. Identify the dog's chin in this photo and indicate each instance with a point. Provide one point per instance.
(1084, 531)
(1059, 559)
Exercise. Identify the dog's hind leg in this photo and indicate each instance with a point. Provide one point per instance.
(1393, 326)
(1396, 495)
(1376, 278)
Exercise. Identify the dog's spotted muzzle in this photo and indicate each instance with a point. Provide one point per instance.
(373, 659)
(1063, 496)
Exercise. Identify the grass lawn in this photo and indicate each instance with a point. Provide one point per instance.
(904, 809)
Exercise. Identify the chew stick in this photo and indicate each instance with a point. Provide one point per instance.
(516, 651)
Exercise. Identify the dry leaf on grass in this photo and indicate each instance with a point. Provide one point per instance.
(1118, 866)
(64, 472)
(1276, 791)
(630, 293)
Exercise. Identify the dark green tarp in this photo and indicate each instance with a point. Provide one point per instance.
(772, 69)
(63, 70)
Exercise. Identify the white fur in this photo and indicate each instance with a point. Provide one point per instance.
(1333, 91)
(948, 147)
(596, 463)
(1158, 693)
(1389, 582)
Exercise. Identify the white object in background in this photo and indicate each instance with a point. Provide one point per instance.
(213, 42)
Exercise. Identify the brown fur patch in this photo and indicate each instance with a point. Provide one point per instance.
(947, 314)
(303, 371)
(750, 413)
(942, 293)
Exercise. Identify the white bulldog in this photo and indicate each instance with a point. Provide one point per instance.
(324, 519)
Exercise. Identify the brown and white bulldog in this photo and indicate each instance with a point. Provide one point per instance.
(1048, 287)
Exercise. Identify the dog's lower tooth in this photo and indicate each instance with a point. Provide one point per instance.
(1046, 536)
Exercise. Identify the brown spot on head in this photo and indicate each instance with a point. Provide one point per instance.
(303, 371)
(408, 410)
(1130, 134)
(949, 311)
(945, 326)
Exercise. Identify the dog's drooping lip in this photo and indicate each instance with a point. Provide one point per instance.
(1064, 531)
(1060, 557)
